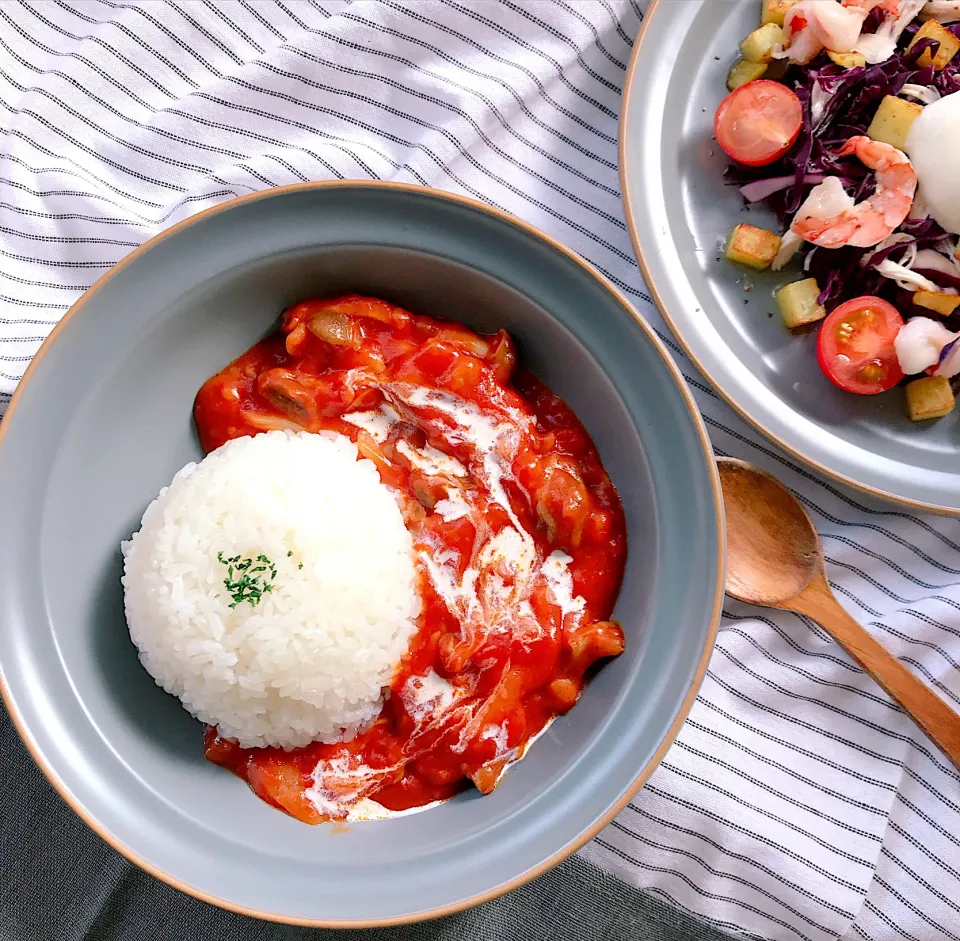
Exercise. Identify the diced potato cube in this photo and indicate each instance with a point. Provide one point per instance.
(758, 46)
(775, 11)
(744, 72)
(929, 397)
(749, 245)
(943, 304)
(891, 123)
(849, 60)
(798, 303)
(949, 45)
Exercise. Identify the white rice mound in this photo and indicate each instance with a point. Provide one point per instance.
(310, 661)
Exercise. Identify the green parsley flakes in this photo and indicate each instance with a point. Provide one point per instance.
(248, 579)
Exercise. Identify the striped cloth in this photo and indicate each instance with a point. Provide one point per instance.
(798, 803)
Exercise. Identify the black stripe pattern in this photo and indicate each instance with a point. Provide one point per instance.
(798, 803)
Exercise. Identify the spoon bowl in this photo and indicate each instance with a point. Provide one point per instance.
(773, 550)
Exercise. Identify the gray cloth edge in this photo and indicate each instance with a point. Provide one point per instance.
(60, 882)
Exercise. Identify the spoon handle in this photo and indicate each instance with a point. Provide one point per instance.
(923, 705)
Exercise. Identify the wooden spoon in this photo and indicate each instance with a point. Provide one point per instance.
(775, 559)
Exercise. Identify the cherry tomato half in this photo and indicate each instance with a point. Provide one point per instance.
(855, 346)
(758, 122)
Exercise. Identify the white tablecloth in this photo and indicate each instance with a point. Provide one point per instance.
(798, 803)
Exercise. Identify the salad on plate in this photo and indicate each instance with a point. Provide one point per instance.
(843, 118)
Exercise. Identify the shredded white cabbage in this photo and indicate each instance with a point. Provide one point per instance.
(946, 11)
(819, 99)
(902, 271)
(925, 93)
(928, 258)
(905, 278)
(879, 46)
(910, 252)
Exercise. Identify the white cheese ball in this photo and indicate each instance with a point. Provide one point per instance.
(933, 145)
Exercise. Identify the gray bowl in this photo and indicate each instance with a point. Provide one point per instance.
(101, 422)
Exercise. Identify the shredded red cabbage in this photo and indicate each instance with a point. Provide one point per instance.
(941, 278)
(852, 99)
(947, 352)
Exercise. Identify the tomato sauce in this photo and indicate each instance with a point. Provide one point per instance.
(518, 533)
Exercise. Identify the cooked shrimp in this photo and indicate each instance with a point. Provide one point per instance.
(830, 220)
(812, 25)
(919, 344)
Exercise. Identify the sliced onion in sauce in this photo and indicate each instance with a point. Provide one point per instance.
(267, 422)
(334, 328)
(465, 339)
(281, 389)
(369, 449)
(371, 309)
(503, 357)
